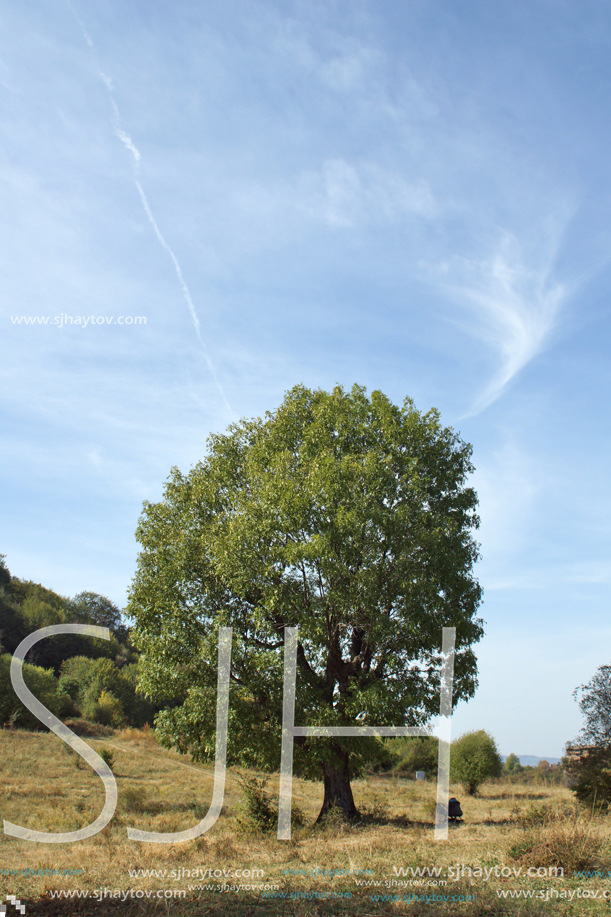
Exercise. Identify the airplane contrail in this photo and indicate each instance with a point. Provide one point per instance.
(131, 147)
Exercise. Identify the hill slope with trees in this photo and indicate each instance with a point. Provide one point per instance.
(72, 675)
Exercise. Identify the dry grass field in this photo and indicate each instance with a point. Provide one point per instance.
(385, 865)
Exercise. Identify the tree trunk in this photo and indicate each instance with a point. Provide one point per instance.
(338, 791)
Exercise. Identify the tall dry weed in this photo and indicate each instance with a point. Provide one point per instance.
(560, 839)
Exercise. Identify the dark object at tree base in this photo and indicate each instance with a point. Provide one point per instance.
(454, 809)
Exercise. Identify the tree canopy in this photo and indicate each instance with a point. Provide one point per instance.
(92, 608)
(474, 758)
(344, 515)
(589, 755)
(595, 705)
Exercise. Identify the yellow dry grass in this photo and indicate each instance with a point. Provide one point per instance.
(505, 828)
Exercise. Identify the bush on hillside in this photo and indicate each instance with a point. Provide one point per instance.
(259, 810)
(87, 681)
(44, 686)
(109, 711)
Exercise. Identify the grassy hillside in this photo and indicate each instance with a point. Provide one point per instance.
(322, 870)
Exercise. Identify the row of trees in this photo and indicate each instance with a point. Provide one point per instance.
(474, 758)
(539, 773)
(26, 606)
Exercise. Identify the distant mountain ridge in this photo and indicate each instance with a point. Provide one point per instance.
(532, 760)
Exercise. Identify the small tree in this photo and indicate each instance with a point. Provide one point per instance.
(588, 762)
(109, 711)
(474, 758)
(589, 772)
(512, 765)
(92, 608)
(595, 704)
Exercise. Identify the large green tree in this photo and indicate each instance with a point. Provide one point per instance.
(344, 515)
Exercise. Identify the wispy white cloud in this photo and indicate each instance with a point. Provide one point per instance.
(514, 302)
(342, 63)
(106, 79)
(86, 34)
(586, 571)
(340, 193)
(352, 195)
(350, 69)
(129, 145)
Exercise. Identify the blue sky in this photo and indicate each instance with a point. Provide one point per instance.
(413, 196)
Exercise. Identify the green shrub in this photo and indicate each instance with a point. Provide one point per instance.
(109, 711)
(259, 811)
(107, 756)
(590, 774)
(44, 686)
(334, 820)
(376, 808)
(535, 816)
(133, 799)
(474, 758)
